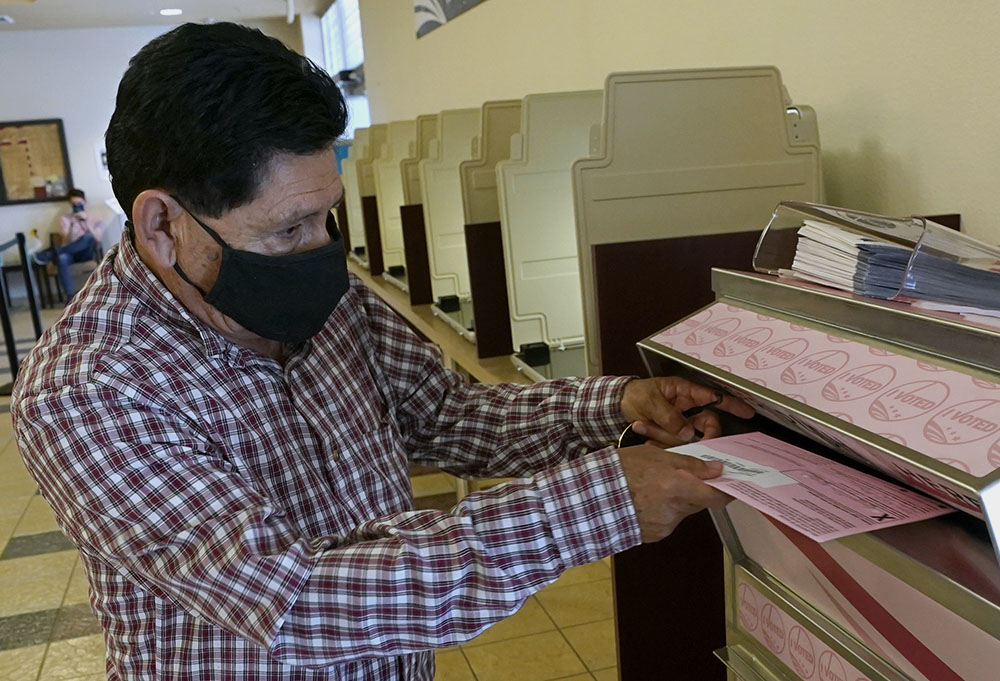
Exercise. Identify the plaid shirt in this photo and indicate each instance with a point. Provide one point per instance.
(243, 519)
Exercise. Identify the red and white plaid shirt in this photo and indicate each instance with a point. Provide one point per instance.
(243, 519)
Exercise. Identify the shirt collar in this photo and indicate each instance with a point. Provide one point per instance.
(141, 283)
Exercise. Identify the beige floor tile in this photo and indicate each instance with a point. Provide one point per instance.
(76, 592)
(13, 506)
(35, 582)
(38, 517)
(591, 572)
(15, 481)
(21, 664)
(451, 665)
(579, 603)
(431, 485)
(576, 677)
(530, 619)
(530, 658)
(73, 658)
(594, 643)
(610, 674)
(11, 510)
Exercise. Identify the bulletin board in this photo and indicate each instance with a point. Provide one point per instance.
(34, 164)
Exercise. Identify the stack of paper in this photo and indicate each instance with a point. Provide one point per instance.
(866, 265)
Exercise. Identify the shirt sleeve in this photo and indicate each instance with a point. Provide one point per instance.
(488, 430)
(139, 487)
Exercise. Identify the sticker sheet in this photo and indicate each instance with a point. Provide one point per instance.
(947, 415)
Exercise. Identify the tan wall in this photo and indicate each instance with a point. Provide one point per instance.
(907, 91)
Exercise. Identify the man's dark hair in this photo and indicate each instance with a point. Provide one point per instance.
(76, 194)
(203, 109)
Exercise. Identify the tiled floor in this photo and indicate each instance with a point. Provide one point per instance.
(48, 633)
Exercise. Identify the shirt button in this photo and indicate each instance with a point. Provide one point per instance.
(334, 454)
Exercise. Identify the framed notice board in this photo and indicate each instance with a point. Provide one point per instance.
(34, 164)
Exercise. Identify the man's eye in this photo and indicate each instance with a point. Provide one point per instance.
(290, 231)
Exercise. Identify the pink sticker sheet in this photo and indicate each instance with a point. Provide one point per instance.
(811, 494)
(798, 648)
(947, 415)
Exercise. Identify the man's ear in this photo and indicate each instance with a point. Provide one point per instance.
(155, 217)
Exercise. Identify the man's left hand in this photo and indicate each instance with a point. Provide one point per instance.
(655, 406)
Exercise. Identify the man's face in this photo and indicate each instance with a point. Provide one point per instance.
(75, 201)
(287, 216)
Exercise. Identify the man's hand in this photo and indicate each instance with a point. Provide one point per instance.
(667, 487)
(654, 407)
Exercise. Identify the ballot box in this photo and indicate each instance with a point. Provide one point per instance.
(901, 392)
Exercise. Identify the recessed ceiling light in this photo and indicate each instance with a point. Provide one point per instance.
(6, 19)
(171, 12)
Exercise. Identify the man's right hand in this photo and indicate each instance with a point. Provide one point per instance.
(667, 487)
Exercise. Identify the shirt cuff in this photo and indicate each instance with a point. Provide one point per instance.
(589, 507)
(597, 411)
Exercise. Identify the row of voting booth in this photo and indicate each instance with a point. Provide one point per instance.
(504, 217)
(562, 228)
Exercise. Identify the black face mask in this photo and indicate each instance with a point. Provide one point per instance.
(286, 298)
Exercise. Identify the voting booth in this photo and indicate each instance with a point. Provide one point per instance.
(411, 213)
(444, 221)
(500, 121)
(535, 196)
(352, 196)
(880, 386)
(683, 173)
(365, 171)
(400, 137)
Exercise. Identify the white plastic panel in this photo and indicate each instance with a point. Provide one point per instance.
(500, 121)
(441, 190)
(420, 149)
(688, 153)
(352, 191)
(389, 188)
(536, 214)
(377, 135)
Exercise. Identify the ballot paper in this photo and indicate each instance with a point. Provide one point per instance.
(944, 268)
(814, 495)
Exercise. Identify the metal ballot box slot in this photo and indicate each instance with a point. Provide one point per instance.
(905, 392)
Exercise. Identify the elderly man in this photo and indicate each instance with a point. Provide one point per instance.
(223, 418)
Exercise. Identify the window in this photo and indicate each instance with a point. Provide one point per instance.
(343, 51)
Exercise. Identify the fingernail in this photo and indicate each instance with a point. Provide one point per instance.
(687, 432)
(639, 428)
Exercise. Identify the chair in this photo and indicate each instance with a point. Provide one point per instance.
(79, 271)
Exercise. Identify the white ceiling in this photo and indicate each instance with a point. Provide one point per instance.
(47, 14)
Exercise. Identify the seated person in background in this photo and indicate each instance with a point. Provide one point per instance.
(223, 420)
(81, 234)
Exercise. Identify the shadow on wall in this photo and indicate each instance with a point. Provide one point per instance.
(857, 178)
